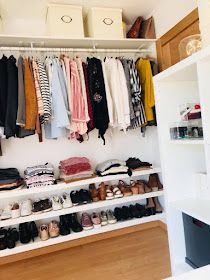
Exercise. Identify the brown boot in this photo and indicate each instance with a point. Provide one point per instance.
(134, 187)
(102, 191)
(153, 182)
(150, 207)
(94, 193)
(146, 187)
(158, 207)
(160, 186)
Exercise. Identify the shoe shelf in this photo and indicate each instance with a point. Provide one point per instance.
(66, 186)
(197, 208)
(40, 244)
(80, 208)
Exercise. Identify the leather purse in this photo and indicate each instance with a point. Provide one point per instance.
(135, 29)
(147, 30)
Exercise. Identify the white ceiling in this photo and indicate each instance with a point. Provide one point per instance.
(36, 9)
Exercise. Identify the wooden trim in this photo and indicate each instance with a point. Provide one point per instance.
(162, 225)
(77, 242)
(159, 55)
(179, 27)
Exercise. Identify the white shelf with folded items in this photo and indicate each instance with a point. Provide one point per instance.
(80, 208)
(64, 186)
(20, 248)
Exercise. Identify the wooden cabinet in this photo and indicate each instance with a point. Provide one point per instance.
(168, 44)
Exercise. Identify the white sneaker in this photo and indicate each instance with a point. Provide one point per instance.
(26, 208)
(15, 211)
(6, 213)
(56, 203)
(66, 200)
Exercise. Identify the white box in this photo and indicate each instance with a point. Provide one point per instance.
(65, 21)
(104, 23)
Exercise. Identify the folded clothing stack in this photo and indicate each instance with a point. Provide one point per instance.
(75, 168)
(10, 179)
(112, 167)
(135, 163)
(39, 176)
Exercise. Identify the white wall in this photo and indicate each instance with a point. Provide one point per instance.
(169, 12)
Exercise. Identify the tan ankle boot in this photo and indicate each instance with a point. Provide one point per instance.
(158, 207)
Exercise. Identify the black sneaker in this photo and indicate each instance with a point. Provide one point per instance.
(64, 226)
(126, 214)
(46, 205)
(24, 233)
(85, 196)
(75, 198)
(135, 211)
(142, 210)
(118, 214)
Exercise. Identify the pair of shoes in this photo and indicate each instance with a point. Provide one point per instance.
(153, 206)
(129, 212)
(40, 206)
(154, 183)
(27, 232)
(8, 238)
(80, 197)
(96, 220)
(124, 188)
(134, 163)
(107, 217)
(94, 193)
(49, 231)
(59, 202)
(104, 192)
(69, 222)
(16, 210)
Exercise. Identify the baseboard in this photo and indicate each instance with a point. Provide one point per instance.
(78, 242)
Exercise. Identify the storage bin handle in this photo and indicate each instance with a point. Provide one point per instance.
(66, 19)
(108, 21)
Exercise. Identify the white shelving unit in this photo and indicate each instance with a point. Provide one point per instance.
(60, 187)
(81, 208)
(40, 244)
(185, 163)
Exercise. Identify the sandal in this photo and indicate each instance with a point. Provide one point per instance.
(109, 193)
(117, 192)
(94, 193)
(134, 187)
(125, 189)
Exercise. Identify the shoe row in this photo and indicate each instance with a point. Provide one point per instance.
(27, 207)
(138, 211)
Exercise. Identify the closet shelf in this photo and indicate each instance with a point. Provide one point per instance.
(25, 41)
(188, 142)
(64, 187)
(81, 208)
(40, 244)
(197, 208)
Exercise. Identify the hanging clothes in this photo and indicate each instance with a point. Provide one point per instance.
(68, 82)
(108, 96)
(144, 70)
(3, 89)
(138, 107)
(98, 96)
(12, 98)
(21, 114)
(30, 97)
(90, 124)
(83, 87)
(78, 117)
(128, 79)
(45, 93)
(37, 88)
(60, 121)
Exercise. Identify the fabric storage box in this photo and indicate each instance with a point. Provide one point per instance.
(197, 240)
(65, 21)
(104, 23)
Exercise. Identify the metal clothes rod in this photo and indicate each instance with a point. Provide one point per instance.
(94, 50)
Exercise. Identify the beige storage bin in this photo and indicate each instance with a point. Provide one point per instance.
(104, 23)
(65, 21)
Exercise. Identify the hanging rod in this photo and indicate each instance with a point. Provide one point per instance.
(94, 50)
